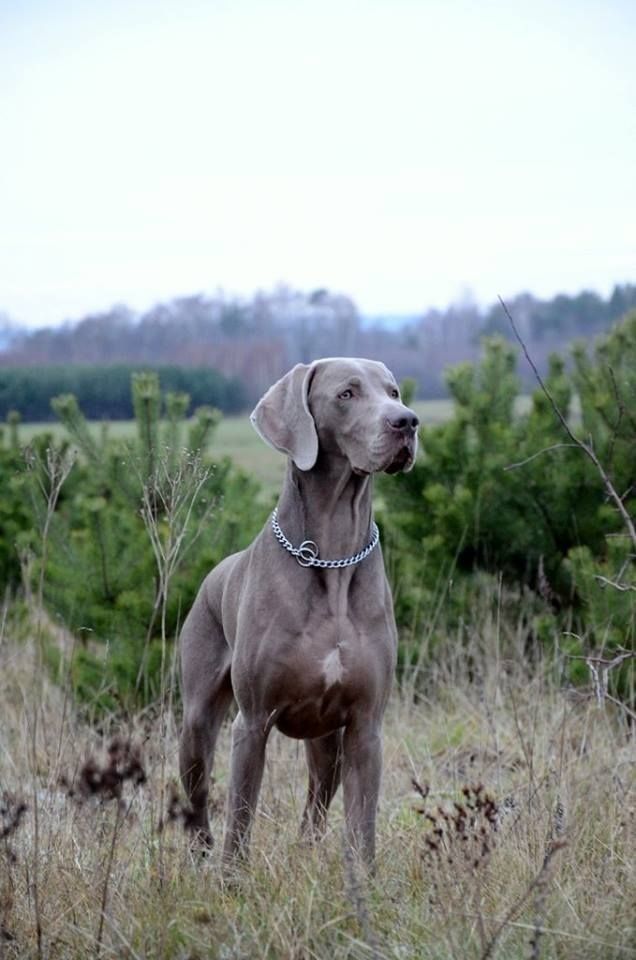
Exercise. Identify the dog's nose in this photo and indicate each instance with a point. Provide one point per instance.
(405, 421)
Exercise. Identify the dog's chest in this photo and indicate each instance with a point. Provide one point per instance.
(323, 672)
(332, 668)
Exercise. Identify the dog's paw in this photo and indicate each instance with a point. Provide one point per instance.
(201, 842)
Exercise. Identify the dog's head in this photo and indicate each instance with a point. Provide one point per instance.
(340, 407)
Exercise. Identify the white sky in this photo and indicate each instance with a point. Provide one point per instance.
(399, 151)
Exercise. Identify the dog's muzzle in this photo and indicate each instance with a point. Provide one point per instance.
(403, 427)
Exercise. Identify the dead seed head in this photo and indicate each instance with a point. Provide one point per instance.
(472, 822)
(12, 810)
(106, 780)
(422, 788)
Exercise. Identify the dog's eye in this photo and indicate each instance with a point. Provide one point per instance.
(345, 395)
(395, 393)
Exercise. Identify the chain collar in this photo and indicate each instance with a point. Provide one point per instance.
(307, 553)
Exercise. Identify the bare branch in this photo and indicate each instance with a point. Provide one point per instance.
(619, 703)
(554, 446)
(600, 668)
(539, 378)
(602, 661)
(587, 448)
(623, 587)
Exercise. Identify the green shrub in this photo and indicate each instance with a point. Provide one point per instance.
(499, 492)
(15, 516)
(606, 588)
(102, 578)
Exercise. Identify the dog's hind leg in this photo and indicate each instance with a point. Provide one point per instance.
(324, 762)
(207, 694)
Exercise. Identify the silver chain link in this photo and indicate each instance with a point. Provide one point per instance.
(307, 553)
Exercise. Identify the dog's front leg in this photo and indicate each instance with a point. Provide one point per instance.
(362, 770)
(246, 772)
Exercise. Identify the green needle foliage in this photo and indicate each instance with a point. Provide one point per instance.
(139, 525)
(496, 492)
(15, 516)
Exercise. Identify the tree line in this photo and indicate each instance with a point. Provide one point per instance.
(255, 340)
(103, 392)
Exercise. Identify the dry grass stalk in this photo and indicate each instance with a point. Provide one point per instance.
(49, 475)
(539, 882)
(106, 781)
(297, 901)
(169, 498)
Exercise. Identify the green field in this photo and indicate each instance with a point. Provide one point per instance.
(236, 438)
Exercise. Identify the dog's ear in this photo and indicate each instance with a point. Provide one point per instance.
(283, 418)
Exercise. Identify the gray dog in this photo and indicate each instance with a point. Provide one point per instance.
(298, 629)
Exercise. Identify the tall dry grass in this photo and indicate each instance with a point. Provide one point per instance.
(506, 830)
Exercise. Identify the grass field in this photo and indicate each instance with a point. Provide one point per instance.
(548, 872)
(236, 438)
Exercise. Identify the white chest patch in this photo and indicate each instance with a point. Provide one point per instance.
(332, 668)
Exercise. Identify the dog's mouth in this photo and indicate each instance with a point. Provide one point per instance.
(403, 460)
(390, 461)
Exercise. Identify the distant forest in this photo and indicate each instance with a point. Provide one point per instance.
(104, 392)
(252, 342)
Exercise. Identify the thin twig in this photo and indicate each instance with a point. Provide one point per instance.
(601, 661)
(600, 668)
(109, 865)
(518, 904)
(619, 703)
(584, 938)
(623, 587)
(587, 448)
(554, 446)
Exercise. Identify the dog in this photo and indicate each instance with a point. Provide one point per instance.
(298, 629)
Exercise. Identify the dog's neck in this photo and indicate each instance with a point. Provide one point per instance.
(328, 504)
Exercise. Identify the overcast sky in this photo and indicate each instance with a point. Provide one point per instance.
(401, 151)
